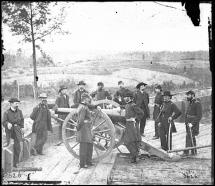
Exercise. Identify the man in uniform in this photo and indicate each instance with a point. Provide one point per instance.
(13, 122)
(169, 112)
(42, 123)
(193, 116)
(62, 101)
(78, 93)
(120, 94)
(131, 136)
(141, 98)
(100, 93)
(157, 105)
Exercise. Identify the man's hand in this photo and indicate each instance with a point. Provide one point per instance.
(159, 124)
(9, 126)
(169, 119)
(190, 125)
(52, 112)
(99, 108)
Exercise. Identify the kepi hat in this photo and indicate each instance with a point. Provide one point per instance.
(81, 83)
(128, 94)
(158, 87)
(12, 100)
(190, 92)
(140, 84)
(100, 84)
(167, 93)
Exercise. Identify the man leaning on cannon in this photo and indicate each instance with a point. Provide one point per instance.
(13, 122)
(193, 116)
(132, 136)
(41, 125)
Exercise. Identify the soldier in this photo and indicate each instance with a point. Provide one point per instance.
(119, 95)
(169, 112)
(193, 116)
(141, 98)
(78, 93)
(100, 93)
(62, 101)
(131, 136)
(157, 105)
(84, 132)
(13, 122)
(42, 124)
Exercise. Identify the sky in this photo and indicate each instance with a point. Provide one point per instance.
(109, 27)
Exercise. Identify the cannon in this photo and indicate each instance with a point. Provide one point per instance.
(108, 126)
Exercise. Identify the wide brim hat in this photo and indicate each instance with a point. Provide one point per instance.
(12, 100)
(62, 87)
(167, 93)
(81, 83)
(190, 92)
(140, 84)
(43, 95)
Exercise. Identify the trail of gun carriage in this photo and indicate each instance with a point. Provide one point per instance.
(75, 127)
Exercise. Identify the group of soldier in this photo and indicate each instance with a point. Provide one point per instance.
(136, 105)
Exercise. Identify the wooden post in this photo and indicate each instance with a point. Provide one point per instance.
(18, 88)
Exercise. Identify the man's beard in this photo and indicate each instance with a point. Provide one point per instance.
(81, 89)
(16, 107)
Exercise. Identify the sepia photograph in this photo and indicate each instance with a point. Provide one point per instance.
(106, 93)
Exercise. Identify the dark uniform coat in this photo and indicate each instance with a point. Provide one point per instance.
(193, 115)
(131, 132)
(62, 101)
(77, 97)
(168, 109)
(120, 93)
(101, 94)
(142, 101)
(17, 121)
(157, 104)
(84, 124)
(42, 124)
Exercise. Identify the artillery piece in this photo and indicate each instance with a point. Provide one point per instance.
(107, 128)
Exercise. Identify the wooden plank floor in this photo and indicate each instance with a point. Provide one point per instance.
(59, 164)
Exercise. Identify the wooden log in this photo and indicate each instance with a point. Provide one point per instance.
(27, 169)
(189, 148)
(26, 149)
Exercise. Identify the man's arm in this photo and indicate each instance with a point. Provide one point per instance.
(107, 95)
(34, 113)
(21, 122)
(198, 112)
(176, 111)
(5, 120)
(82, 114)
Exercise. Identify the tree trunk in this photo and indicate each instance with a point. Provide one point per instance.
(34, 55)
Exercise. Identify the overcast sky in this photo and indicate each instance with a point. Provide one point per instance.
(98, 28)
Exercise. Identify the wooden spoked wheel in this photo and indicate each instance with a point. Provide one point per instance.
(110, 109)
(103, 132)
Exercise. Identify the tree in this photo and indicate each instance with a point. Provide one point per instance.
(33, 21)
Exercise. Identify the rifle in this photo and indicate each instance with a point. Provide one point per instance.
(161, 110)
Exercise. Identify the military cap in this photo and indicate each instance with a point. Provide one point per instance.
(100, 84)
(120, 82)
(140, 84)
(128, 94)
(190, 92)
(12, 100)
(158, 87)
(167, 93)
(84, 96)
(81, 83)
(43, 95)
(62, 87)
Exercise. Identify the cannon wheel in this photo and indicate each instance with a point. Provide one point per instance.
(101, 123)
(119, 128)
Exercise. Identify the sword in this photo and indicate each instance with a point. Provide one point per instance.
(170, 125)
(191, 136)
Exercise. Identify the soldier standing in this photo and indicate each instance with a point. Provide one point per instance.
(131, 136)
(78, 93)
(120, 94)
(62, 101)
(169, 112)
(193, 116)
(13, 122)
(42, 123)
(84, 132)
(157, 105)
(141, 98)
(100, 93)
